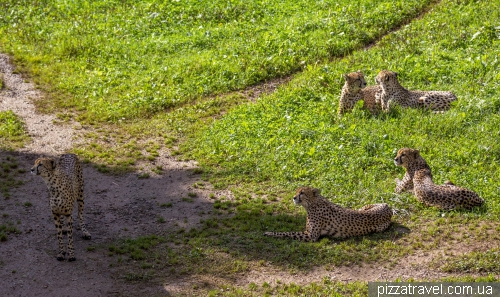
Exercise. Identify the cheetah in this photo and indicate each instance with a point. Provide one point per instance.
(327, 218)
(411, 160)
(64, 180)
(418, 178)
(354, 90)
(392, 92)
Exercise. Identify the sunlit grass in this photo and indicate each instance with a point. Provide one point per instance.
(12, 133)
(113, 60)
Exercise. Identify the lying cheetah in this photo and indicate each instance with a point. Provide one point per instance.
(64, 180)
(446, 197)
(326, 218)
(354, 90)
(419, 178)
(392, 92)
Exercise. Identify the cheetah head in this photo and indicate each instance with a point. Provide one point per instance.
(43, 166)
(406, 156)
(355, 81)
(386, 77)
(305, 196)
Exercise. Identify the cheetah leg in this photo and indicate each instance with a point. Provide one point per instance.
(81, 206)
(59, 228)
(86, 234)
(406, 184)
(71, 248)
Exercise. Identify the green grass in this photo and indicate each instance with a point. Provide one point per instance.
(6, 229)
(12, 132)
(262, 151)
(294, 137)
(8, 175)
(114, 60)
(474, 262)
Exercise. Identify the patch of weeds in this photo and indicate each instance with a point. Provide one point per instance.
(8, 175)
(6, 229)
(192, 194)
(166, 205)
(482, 262)
(160, 219)
(135, 248)
(12, 131)
(143, 175)
(158, 170)
(91, 248)
(28, 204)
(187, 199)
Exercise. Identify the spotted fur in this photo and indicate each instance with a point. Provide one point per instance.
(446, 196)
(354, 90)
(393, 93)
(64, 180)
(411, 160)
(327, 218)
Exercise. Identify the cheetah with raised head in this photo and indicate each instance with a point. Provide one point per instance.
(403, 158)
(393, 93)
(64, 180)
(355, 89)
(327, 218)
(418, 177)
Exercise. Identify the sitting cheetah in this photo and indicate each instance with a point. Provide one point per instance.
(64, 180)
(419, 178)
(393, 92)
(354, 90)
(326, 218)
(403, 158)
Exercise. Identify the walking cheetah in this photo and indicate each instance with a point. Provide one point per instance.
(326, 218)
(392, 92)
(419, 178)
(354, 90)
(64, 180)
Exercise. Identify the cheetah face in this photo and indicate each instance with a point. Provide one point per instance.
(305, 195)
(43, 166)
(405, 156)
(386, 77)
(355, 81)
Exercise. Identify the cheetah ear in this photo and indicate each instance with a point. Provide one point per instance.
(346, 77)
(316, 192)
(53, 164)
(395, 74)
(416, 153)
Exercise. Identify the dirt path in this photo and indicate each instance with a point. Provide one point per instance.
(116, 207)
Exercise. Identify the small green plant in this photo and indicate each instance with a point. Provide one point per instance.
(8, 176)
(166, 205)
(143, 175)
(28, 204)
(6, 229)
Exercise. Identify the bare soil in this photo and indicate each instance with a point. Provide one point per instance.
(123, 207)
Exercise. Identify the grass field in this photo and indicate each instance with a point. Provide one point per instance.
(132, 76)
(114, 60)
